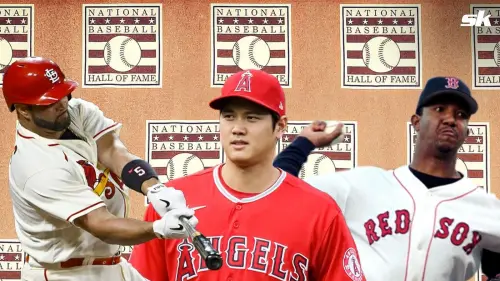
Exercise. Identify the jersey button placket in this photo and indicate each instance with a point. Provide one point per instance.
(238, 207)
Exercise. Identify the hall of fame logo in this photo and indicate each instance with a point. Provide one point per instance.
(333, 158)
(247, 36)
(16, 34)
(11, 259)
(381, 46)
(122, 45)
(473, 157)
(180, 148)
(486, 49)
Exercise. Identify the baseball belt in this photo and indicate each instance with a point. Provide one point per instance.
(74, 262)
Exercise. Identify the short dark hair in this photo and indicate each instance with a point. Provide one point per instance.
(275, 117)
(420, 111)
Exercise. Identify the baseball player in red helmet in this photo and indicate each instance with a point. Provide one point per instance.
(425, 221)
(69, 177)
(266, 224)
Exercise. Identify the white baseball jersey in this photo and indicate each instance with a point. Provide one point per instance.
(53, 182)
(405, 231)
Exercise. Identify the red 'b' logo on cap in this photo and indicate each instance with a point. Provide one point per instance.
(452, 83)
(244, 84)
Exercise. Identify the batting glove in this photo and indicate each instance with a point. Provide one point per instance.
(165, 198)
(170, 226)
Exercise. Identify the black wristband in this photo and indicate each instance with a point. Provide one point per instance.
(136, 172)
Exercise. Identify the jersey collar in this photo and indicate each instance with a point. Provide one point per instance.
(408, 180)
(29, 135)
(234, 199)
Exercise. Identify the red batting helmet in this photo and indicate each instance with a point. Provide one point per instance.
(35, 81)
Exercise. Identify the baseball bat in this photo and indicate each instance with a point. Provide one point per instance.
(211, 257)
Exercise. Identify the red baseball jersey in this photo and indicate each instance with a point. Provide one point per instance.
(291, 231)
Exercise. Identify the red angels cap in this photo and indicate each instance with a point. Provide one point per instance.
(256, 86)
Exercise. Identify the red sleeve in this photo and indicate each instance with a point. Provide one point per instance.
(149, 258)
(338, 257)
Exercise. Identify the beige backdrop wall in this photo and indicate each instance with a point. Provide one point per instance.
(316, 92)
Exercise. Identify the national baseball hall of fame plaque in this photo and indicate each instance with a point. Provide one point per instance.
(381, 46)
(251, 36)
(122, 45)
(486, 48)
(16, 34)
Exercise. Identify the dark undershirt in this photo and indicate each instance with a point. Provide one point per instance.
(432, 181)
(69, 135)
(295, 155)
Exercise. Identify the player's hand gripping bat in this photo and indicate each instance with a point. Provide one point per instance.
(211, 257)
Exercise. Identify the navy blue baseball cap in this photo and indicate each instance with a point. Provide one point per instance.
(452, 87)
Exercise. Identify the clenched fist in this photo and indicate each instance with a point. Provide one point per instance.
(318, 134)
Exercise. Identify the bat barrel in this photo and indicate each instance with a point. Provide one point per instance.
(214, 261)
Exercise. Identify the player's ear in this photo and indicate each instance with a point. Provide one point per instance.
(281, 126)
(23, 111)
(415, 122)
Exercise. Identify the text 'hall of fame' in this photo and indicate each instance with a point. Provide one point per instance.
(381, 46)
(122, 45)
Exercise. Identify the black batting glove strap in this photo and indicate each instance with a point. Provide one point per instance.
(136, 172)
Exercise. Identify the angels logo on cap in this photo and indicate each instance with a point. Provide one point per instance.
(244, 84)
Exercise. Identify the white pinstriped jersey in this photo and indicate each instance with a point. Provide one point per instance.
(53, 182)
(405, 231)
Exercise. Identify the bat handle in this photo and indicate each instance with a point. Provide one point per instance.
(187, 225)
(212, 258)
